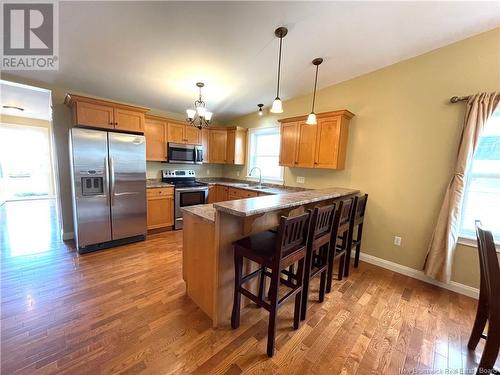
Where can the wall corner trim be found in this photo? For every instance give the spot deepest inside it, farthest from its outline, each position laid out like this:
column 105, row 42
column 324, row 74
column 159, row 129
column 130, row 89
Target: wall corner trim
column 419, row 275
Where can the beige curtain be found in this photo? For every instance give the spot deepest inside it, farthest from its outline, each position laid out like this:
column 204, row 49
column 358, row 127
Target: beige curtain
column 439, row 258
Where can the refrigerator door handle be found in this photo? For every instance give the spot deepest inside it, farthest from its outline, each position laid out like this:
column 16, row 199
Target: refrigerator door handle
column 106, row 179
column 127, row 193
column 112, row 181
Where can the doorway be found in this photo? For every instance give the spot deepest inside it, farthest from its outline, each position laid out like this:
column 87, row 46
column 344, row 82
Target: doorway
column 27, row 168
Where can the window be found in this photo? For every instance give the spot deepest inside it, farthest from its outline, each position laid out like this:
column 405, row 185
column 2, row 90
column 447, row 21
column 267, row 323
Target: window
column 482, row 186
column 264, row 151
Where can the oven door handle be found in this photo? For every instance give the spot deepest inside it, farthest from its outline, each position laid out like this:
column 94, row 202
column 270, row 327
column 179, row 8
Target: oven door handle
column 192, row 189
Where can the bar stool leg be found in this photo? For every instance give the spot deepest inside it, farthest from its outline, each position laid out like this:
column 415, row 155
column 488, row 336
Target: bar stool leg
column 329, row 274
column 238, row 269
column 261, row 286
column 479, row 324
column 490, row 353
column 347, row 244
column 305, row 284
column 341, row 266
column 273, row 312
column 358, row 245
column 298, row 297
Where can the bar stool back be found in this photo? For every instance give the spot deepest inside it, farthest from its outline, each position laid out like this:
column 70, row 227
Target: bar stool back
column 320, row 234
column 488, row 308
column 356, row 225
column 340, row 229
column 276, row 252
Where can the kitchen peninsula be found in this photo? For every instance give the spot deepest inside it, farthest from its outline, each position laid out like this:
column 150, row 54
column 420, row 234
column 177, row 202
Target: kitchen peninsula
column 210, row 230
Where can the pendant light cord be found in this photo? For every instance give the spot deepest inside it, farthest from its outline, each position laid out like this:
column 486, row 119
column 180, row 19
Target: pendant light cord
column 279, row 70
column 315, row 82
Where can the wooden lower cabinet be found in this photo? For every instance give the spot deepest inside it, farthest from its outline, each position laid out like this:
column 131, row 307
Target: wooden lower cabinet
column 219, row 193
column 160, row 206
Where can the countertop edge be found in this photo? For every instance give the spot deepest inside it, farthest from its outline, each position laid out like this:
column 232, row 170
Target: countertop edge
column 304, row 201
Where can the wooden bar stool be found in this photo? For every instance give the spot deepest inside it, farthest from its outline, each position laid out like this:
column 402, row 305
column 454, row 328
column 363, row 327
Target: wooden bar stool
column 340, row 229
column 488, row 308
column 318, row 244
column 274, row 252
column 356, row 224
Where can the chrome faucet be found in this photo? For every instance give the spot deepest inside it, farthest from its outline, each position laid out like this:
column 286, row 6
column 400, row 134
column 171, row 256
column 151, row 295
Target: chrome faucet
column 260, row 174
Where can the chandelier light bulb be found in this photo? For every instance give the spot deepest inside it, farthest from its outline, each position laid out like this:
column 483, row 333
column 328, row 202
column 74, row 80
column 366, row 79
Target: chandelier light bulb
column 208, row 115
column 190, row 113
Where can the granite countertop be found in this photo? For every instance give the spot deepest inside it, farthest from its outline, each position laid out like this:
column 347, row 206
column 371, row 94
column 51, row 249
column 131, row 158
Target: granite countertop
column 152, row 183
column 205, row 211
column 260, row 205
column 240, row 184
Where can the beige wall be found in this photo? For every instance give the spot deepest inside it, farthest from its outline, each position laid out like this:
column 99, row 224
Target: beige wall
column 402, row 143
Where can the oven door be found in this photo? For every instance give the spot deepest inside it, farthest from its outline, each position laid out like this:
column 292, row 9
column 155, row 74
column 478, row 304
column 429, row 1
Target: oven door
column 188, row 197
column 181, row 154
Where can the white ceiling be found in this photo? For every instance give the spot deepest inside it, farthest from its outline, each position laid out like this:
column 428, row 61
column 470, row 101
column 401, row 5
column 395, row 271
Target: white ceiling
column 35, row 101
column 152, row 53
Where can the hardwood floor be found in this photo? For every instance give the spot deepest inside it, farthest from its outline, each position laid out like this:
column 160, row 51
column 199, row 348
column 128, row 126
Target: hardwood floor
column 124, row 310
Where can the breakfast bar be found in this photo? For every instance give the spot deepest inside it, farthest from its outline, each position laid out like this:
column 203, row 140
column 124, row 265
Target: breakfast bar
column 211, row 229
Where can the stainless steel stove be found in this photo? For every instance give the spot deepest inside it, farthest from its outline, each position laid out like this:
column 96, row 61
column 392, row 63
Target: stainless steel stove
column 187, row 191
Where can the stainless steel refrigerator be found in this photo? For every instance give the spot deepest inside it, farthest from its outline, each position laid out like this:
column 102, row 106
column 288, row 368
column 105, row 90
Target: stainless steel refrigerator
column 108, row 172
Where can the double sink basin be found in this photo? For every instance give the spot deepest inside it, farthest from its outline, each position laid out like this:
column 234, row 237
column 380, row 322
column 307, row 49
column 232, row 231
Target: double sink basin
column 256, row 187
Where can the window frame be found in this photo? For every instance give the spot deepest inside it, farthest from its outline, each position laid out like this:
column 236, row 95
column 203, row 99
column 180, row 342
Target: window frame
column 251, row 133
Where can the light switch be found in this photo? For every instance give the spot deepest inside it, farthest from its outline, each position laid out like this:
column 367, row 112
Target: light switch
column 397, row 241
column 300, row 179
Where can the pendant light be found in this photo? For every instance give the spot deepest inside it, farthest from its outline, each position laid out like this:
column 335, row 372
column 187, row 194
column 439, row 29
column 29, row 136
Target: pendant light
column 199, row 117
column 277, row 106
column 311, row 119
column 260, row 109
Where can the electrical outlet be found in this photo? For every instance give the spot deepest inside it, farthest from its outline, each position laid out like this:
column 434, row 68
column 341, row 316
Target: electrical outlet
column 300, row 179
column 238, row 173
column 208, row 171
column 397, row 240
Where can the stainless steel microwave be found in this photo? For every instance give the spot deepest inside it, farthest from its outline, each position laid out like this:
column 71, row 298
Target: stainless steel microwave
column 179, row 153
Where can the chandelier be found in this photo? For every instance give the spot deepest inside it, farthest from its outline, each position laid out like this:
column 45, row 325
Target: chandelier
column 199, row 117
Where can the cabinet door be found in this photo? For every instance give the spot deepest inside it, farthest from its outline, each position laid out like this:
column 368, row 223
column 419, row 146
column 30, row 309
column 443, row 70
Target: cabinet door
column 129, row 120
column 327, row 142
column 95, row 115
column 231, row 140
column 217, row 146
column 212, row 194
column 154, row 131
column 192, row 135
column 160, row 212
column 205, row 134
column 223, row 193
column 288, row 144
column 175, row 133
column 240, row 147
column 306, row 145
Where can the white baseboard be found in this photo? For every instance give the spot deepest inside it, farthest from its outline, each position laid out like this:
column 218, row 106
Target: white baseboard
column 68, row 236
column 419, row 275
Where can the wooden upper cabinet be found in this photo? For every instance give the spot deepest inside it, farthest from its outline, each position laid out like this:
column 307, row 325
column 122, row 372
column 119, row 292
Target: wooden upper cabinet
column 236, row 146
column 327, row 143
column 315, row 146
column 175, row 133
column 154, row 131
column 94, row 115
column 103, row 114
column 129, row 120
column 217, row 146
column 288, row 147
column 192, row 135
column 306, row 145
column 205, row 135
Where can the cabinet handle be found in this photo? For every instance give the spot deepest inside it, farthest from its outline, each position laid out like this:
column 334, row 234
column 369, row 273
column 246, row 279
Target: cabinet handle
column 315, row 163
column 116, row 124
column 111, row 123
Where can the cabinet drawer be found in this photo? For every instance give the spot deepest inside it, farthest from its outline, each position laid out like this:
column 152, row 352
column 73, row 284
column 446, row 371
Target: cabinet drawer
column 160, row 192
